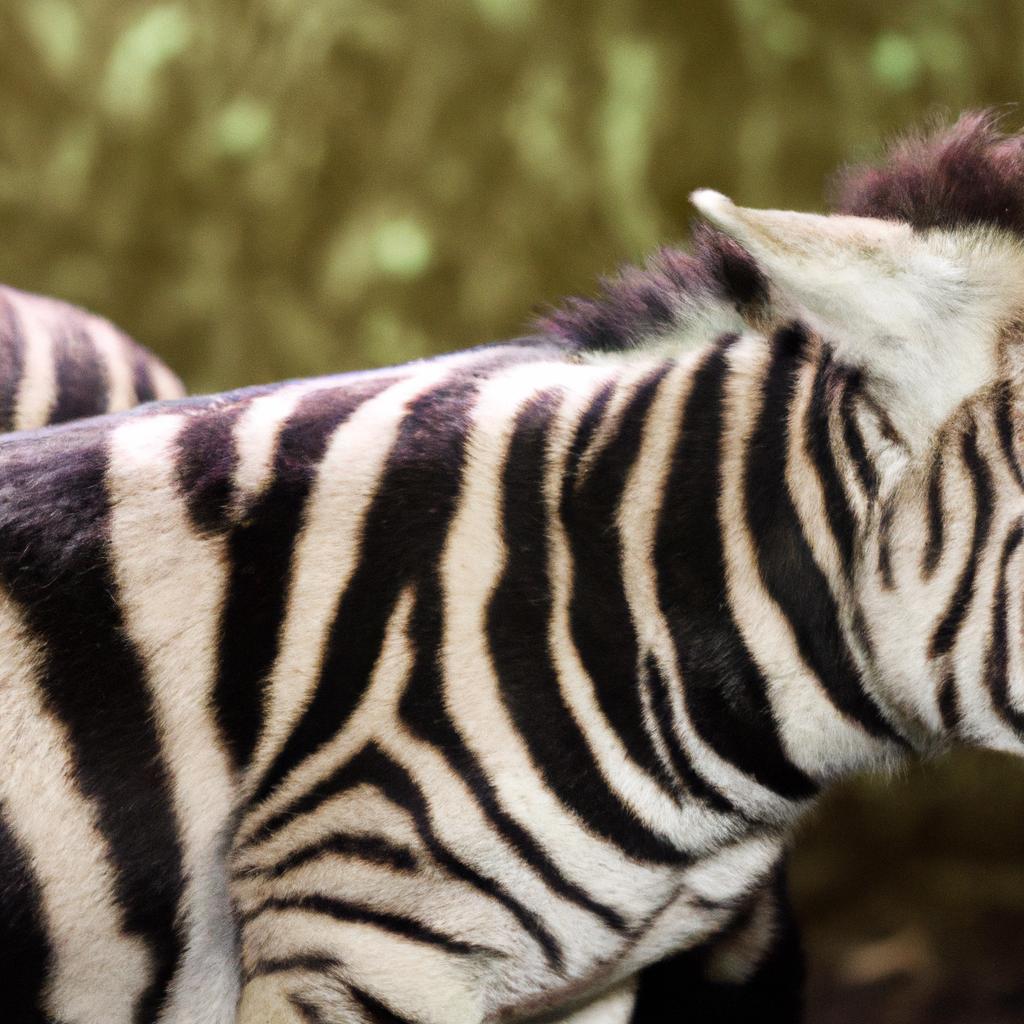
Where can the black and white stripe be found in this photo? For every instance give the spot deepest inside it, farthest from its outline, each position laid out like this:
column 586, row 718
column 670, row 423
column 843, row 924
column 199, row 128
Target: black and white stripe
column 458, row 657
column 490, row 687
column 60, row 363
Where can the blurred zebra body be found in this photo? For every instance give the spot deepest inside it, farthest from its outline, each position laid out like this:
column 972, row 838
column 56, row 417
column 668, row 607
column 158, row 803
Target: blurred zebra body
column 488, row 688
column 60, row 363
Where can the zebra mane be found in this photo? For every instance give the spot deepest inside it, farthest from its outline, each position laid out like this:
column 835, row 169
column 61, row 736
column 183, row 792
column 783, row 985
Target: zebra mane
column 970, row 173
column 675, row 287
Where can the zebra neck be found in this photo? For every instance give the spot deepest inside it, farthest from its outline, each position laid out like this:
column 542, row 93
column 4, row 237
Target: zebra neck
column 749, row 508
column 940, row 585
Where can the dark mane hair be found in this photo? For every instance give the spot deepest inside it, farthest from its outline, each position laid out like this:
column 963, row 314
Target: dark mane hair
column 970, row 172
column 648, row 301
column 967, row 173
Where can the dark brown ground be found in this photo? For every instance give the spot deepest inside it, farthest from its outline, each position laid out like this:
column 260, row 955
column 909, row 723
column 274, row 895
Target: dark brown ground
column 911, row 896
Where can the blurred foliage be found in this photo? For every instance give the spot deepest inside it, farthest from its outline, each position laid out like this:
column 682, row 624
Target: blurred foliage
column 276, row 188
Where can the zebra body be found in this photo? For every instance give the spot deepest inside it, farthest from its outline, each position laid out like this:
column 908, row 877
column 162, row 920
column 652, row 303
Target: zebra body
column 488, row 688
column 60, row 363
column 401, row 640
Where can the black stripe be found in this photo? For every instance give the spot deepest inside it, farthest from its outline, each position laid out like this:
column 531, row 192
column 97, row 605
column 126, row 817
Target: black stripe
column 661, row 705
column 1005, row 428
column 997, row 660
column 590, row 420
column 206, row 461
column 376, row 849
column 142, row 377
column 936, row 522
column 12, row 359
column 315, row 963
column 960, row 602
column 724, row 692
column 821, row 451
column 260, row 549
column 949, row 701
column 55, row 563
column 345, row 910
column 25, row 956
column 861, row 631
column 854, row 440
column 80, row 375
column 373, row 767
column 885, row 520
column 376, row 1011
column 308, row 1011
column 787, row 567
column 600, row 619
column 518, row 621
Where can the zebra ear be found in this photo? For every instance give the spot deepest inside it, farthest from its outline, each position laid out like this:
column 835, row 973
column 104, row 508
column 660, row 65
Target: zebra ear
column 921, row 313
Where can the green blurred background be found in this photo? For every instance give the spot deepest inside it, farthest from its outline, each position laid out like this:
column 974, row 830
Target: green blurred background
column 288, row 187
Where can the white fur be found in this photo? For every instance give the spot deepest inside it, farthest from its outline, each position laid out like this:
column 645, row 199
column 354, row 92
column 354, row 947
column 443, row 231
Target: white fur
column 99, row 971
column 172, row 584
column 37, row 386
column 921, row 313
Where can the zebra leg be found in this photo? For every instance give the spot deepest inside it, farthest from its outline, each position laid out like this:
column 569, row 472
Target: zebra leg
column 753, row 972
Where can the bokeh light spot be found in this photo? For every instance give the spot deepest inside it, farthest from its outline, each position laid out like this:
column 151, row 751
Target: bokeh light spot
column 155, row 38
column 402, row 248
column 896, row 62
column 56, row 28
column 243, row 127
column 506, row 13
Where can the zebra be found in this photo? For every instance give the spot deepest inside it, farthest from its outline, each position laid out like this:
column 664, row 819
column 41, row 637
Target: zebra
column 59, row 363
column 490, row 687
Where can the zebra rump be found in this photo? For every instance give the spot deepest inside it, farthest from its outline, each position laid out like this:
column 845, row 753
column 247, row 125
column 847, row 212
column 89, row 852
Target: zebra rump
column 60, row 363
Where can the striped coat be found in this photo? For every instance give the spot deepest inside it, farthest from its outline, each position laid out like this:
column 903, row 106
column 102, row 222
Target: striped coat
column 489, row 688
column 59, row 363
column 337, row 605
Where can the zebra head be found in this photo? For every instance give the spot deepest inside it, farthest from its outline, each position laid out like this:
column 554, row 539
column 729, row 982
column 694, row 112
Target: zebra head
column 918, row 288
